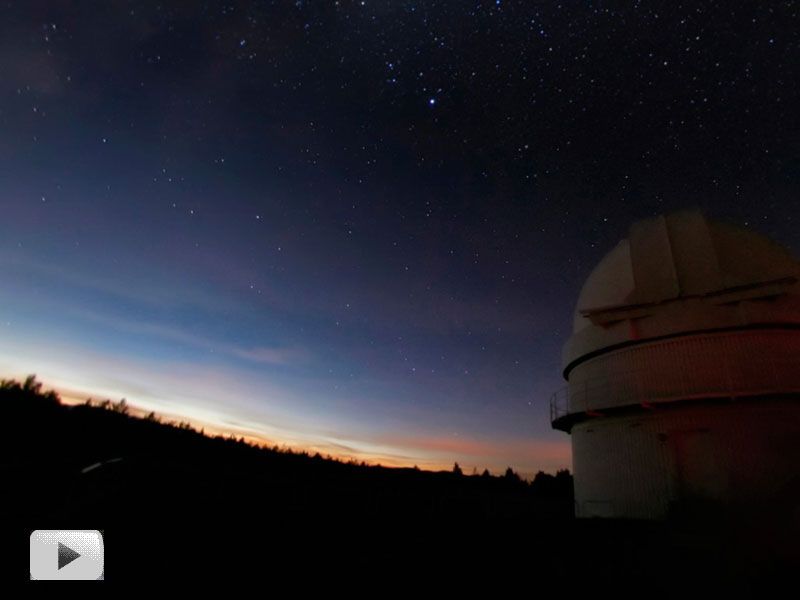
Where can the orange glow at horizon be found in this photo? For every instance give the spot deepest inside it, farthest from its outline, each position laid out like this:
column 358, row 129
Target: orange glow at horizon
column 221, row 401
column 458, row 447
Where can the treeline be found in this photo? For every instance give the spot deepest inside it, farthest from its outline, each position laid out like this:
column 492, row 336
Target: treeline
column 107, row 455
column 30, row 391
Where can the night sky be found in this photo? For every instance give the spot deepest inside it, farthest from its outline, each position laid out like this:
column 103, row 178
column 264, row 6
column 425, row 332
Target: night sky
column 361, row 227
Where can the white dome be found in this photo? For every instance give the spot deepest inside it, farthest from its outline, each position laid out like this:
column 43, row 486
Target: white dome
column 681, row 272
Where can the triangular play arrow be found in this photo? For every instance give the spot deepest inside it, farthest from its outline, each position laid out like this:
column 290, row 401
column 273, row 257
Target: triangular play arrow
column 65, row 555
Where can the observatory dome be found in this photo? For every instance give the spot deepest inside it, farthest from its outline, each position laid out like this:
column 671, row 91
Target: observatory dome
column 680, row 273
column 683, row 373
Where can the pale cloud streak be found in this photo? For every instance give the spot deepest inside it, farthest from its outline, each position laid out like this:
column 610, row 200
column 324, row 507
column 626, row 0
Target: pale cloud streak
column 276, row 354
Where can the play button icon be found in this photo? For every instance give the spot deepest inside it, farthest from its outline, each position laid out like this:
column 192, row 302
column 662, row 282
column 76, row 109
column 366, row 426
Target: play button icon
column 67, row 554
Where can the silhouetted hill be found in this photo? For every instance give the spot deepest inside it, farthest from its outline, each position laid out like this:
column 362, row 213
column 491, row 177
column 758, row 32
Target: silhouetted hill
column 108, row 458
column 169, row 499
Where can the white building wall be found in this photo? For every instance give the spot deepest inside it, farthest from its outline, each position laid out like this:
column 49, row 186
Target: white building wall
column 743, row 453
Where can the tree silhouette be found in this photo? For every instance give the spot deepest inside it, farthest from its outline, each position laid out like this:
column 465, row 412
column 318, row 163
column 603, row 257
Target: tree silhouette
column 31, row 386
column 157, row 454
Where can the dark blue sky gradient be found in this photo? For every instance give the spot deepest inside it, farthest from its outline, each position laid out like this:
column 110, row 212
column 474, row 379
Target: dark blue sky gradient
column 362, row 227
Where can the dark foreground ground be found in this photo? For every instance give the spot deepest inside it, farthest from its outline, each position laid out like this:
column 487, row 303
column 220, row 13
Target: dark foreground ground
column 177, row 506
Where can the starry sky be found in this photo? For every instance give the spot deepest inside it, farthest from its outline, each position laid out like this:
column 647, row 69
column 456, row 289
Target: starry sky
column 361, row 227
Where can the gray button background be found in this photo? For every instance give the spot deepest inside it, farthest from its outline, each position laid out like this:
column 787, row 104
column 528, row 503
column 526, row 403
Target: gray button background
column 44, row 554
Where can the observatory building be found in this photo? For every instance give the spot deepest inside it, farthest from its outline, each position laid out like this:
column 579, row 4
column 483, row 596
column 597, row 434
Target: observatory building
column 683, row 374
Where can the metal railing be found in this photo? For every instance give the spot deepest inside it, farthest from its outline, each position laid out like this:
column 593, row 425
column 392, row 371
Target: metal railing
column 723, row 378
